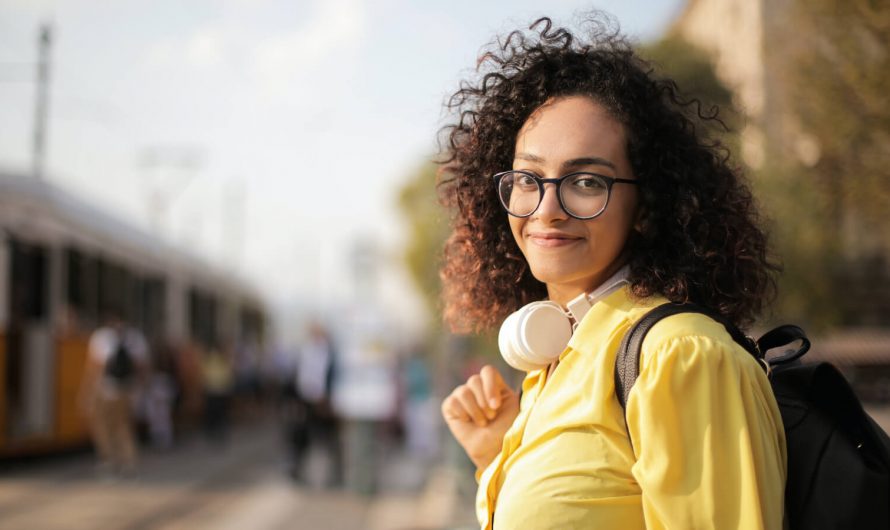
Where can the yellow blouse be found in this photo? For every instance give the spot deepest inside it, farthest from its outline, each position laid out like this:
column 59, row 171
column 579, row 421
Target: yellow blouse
column 708, row 444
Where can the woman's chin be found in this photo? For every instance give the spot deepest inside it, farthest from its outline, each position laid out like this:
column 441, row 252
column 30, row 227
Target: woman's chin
column 554, row 276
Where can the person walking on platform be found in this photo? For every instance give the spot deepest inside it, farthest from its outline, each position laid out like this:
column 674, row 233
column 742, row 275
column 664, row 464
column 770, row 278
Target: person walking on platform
column 117, row 364
column 315, row 379
column 218, row 378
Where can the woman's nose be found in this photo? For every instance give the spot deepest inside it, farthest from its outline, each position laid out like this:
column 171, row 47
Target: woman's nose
column 550, row 209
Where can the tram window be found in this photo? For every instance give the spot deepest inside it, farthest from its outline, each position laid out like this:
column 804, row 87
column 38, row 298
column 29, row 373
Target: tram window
column 29, row 281
column 193, row 313
column 81, row 289
column 251, row 323
column 105, row 290
column 154, row 296
column 115, row 292
column 202, row 317
column 212, row 331
column 91, row 288
column 134, row 290
column 76, row 274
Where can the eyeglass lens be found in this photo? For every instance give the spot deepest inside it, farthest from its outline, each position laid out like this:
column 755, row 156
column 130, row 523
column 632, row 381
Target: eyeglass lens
column 582, row 195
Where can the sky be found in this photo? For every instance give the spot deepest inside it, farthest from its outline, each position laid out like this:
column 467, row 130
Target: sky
column 267, row 136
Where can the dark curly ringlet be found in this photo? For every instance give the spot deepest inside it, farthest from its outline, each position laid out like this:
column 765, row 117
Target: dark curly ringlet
column 699, row 238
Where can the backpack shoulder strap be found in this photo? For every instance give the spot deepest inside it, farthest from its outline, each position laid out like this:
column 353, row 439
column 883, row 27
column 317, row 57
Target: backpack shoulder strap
column 627, row 361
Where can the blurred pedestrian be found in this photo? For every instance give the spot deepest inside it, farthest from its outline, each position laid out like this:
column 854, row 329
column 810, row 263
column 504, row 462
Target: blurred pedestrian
column 420, row 418
column 217, row 378
column 117, row 366
column 246, row 367
column 367, row 399
column 315, row 379
column 158, row 399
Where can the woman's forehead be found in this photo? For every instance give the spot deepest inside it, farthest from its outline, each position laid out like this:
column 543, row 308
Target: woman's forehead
column 570, row 128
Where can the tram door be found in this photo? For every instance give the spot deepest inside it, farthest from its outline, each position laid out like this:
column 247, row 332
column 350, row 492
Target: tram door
column 29, row 371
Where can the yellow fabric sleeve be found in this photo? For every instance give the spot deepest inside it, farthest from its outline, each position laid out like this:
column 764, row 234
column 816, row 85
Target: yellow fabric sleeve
column 710, row 454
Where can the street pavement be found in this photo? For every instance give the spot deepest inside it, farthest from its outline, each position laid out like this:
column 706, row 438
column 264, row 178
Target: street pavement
column 243, row 485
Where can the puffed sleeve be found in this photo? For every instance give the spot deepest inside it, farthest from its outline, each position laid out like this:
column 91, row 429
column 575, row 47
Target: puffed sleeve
column 708, row 438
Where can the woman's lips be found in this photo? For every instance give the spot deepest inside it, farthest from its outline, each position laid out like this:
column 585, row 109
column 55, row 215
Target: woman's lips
column 551, row 240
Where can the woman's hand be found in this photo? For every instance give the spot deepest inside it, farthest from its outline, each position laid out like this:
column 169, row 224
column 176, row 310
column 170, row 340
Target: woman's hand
column 479, row 412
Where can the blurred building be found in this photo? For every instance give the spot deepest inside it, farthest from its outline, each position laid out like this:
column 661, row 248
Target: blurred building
column 747, row 42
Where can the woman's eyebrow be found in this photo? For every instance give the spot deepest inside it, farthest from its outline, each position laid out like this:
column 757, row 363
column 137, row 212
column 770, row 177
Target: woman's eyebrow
column 587, row 161
column 568, row 164
column 528, row 157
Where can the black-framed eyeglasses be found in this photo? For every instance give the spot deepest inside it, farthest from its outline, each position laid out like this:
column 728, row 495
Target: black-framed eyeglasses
column 582, row 195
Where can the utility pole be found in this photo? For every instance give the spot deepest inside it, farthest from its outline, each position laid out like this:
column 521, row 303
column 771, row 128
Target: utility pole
column 42, row 100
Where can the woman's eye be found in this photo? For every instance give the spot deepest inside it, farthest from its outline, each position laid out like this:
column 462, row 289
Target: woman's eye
column 525, row 181
column 588, row 184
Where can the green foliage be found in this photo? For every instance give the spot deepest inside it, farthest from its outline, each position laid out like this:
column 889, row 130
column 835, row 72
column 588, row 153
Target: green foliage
column 830, row 219
column 693, row 72
column 808, row 254
column 840, row 94
column 428, row 229
column 829, row 74
column 689, row 67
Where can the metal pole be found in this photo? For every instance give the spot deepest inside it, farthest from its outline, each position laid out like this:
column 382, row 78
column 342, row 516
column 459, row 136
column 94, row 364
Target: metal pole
column 42, row 100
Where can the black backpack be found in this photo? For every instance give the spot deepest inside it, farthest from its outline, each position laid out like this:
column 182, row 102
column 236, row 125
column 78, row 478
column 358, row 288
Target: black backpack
column 119, row 367
column 838, row 457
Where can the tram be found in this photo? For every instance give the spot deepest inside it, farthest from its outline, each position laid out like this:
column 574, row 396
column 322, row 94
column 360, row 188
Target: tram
column 63, row 265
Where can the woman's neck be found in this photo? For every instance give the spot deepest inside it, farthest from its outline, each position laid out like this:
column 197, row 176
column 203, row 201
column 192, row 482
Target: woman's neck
column 562, row 294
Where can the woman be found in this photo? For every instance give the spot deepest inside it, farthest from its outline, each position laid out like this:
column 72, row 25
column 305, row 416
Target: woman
column 575, row 174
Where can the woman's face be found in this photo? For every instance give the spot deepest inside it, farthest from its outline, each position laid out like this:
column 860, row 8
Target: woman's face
column 569, row 255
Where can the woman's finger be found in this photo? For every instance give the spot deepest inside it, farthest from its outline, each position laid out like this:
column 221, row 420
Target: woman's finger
column 474, row 383
column 493, row 386
column 453, row 410
column 468, row 401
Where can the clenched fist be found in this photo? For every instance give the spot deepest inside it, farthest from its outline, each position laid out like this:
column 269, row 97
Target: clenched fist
column 479, row 412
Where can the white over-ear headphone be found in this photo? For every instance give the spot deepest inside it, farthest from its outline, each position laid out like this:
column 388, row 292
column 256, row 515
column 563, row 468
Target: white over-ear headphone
column 537, row 334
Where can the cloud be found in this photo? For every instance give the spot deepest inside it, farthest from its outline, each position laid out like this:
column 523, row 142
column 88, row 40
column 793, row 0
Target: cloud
column 206, row 48
column 38, row 7
column 279, row 63
column 161, row 54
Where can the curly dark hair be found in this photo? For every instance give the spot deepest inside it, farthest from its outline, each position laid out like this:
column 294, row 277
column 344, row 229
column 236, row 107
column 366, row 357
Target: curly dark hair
column 699, row 238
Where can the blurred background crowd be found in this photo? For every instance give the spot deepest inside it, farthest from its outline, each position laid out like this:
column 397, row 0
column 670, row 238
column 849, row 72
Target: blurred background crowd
column 239, row 199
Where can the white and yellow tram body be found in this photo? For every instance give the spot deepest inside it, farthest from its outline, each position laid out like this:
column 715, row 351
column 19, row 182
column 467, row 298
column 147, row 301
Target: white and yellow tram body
column 63, row 265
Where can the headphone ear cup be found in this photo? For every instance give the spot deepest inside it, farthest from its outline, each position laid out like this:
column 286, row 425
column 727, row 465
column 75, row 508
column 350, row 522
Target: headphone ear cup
column 534, row 336
column 509, row 343
column 545, row 332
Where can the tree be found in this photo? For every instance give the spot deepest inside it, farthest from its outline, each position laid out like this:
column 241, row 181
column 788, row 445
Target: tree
column 690, row 67
column 839, row 83
column 428, row 229
column 693, row 72
column 829, row 202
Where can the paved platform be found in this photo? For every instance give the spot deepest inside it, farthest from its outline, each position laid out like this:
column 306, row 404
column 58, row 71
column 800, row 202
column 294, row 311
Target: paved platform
column 241, row 486
column 244, row 485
